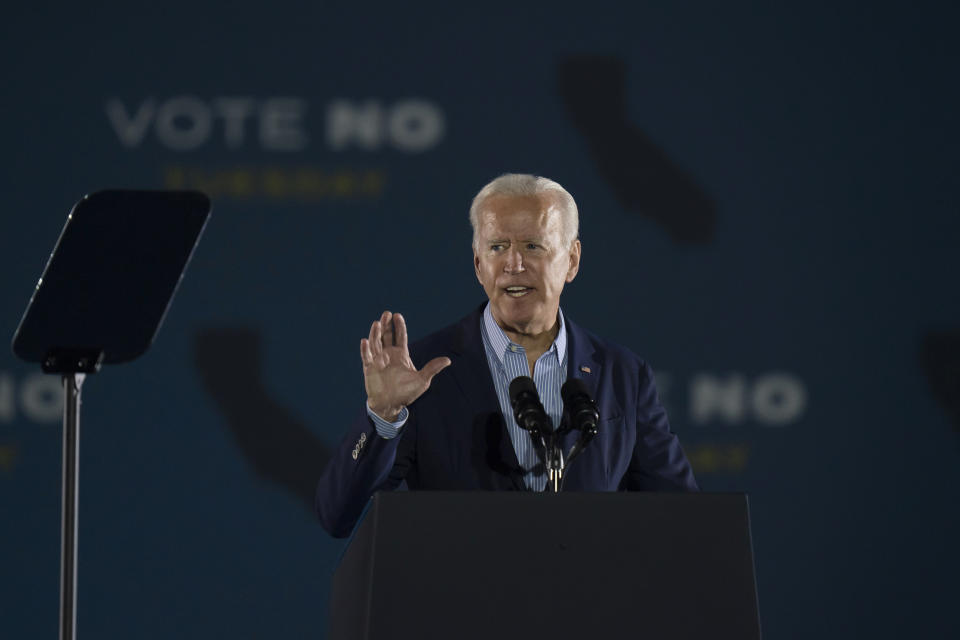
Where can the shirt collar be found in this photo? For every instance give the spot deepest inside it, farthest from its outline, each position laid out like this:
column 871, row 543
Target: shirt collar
column 499, row 341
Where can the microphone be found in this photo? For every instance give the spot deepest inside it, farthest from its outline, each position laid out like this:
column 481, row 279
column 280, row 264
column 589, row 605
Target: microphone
column 527, row 408
column 579, row 412
column 579, row 409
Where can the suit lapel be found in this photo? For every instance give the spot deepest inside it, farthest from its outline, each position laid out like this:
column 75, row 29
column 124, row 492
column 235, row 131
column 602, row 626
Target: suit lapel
column 582, row 359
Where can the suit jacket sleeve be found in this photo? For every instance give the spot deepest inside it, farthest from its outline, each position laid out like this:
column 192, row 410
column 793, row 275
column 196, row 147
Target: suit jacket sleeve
column 658, row 462
column 363, row 464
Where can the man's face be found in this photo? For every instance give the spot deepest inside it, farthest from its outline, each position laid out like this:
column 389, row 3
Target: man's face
column 521, row 261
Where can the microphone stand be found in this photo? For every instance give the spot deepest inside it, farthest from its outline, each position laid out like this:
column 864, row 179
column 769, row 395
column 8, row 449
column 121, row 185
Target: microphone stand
column 548, row 448
column 555, row 461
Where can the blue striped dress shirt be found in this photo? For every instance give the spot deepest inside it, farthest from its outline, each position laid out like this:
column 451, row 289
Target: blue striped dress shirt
column 508, row 360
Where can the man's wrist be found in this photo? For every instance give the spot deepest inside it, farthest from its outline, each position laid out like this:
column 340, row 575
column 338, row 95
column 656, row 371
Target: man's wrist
column 387, row 414
column 388, row 430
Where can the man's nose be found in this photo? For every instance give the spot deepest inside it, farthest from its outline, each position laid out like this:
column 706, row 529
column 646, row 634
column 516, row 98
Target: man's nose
column 514, row 261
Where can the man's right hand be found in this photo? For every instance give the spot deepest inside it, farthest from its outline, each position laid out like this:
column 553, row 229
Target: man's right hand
column 391, row 380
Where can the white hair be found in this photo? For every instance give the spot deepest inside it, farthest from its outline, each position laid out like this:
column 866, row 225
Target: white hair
column 525, row 184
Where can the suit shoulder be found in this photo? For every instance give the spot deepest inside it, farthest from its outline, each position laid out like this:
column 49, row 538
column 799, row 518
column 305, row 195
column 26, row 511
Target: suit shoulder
column 613, row 354
column 443, row 341
column 431, row 345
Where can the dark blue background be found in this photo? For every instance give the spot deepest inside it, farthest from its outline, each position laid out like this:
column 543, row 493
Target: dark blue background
column 824, row 134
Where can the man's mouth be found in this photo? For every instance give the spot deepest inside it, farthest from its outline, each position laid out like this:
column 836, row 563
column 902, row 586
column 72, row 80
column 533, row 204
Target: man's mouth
column 517, row 292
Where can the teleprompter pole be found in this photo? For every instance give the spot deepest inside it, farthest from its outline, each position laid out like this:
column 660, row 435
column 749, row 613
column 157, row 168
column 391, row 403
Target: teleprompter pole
column 71, row 476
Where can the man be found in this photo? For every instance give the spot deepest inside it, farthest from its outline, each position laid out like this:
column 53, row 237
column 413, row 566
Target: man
column 434, row 428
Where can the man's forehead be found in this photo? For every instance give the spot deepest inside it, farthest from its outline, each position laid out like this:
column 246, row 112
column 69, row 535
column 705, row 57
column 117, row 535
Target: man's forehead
column 502, row 212
column 501, row 201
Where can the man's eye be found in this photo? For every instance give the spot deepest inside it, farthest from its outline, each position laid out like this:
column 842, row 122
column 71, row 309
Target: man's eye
column 496, row 247
column 531, row 246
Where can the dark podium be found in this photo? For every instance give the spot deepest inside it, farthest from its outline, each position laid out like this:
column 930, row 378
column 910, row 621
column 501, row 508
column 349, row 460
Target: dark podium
column 530, row 565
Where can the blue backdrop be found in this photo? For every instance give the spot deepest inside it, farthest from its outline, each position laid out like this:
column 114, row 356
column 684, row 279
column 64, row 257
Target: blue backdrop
column 780, row 180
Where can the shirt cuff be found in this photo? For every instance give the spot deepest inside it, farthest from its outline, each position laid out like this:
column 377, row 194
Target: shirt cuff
column 388, row 430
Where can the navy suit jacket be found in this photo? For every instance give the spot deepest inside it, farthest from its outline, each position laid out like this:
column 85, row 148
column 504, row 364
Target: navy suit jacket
column 456, row 439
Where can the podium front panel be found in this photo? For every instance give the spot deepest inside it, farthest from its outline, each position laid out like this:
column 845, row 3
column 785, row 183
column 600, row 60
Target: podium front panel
column 526, row 565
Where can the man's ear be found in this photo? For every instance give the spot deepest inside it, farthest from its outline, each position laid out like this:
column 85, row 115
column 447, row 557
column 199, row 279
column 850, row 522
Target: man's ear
column 476, row 266
column 574, row 261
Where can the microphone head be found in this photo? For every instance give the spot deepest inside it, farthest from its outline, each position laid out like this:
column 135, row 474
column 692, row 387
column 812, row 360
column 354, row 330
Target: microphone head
column 527, row 408
column 579, row 408
column 572, row 388
column 522, row 385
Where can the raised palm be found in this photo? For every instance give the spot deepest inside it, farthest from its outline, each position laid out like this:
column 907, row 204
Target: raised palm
column 391, row 380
